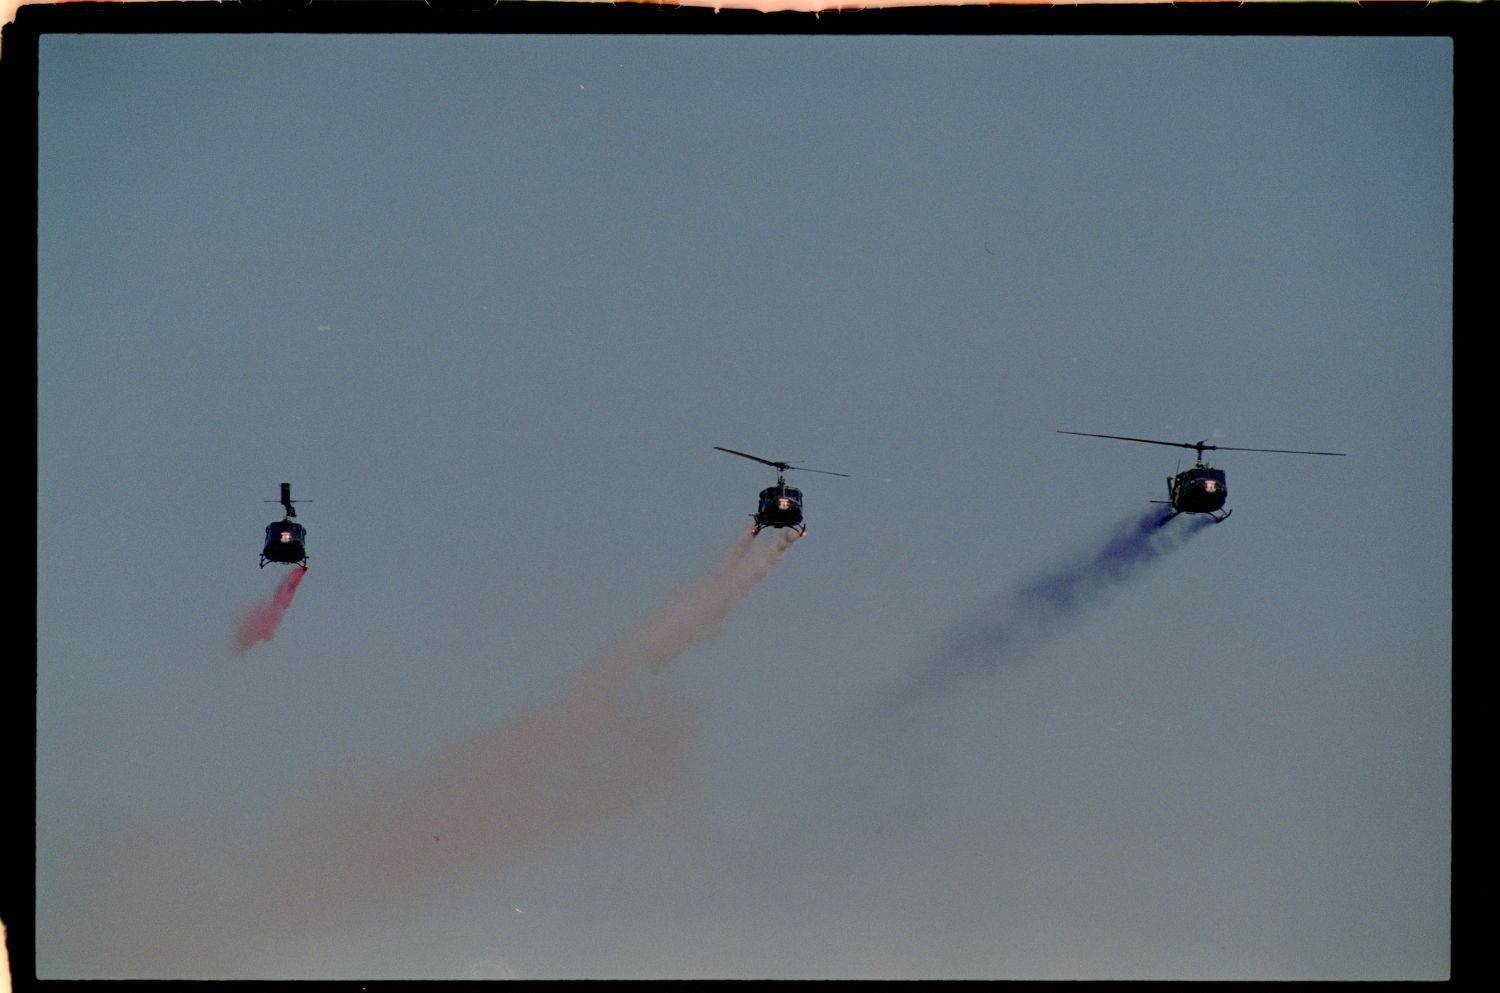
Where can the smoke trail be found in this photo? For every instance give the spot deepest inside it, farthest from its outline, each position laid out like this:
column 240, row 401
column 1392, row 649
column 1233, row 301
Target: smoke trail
column 883, row 775
column 1015, row 623
column 604, row 745
column 260, row 621
column 480, row 805
column 696, row 613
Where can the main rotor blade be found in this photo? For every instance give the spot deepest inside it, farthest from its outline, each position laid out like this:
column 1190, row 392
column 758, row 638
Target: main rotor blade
column 1284, row 451
column 1149, row 441
column 287, row 501
column 746, row 455
column 798, row 468
column 1199, row 445
column 779, row 466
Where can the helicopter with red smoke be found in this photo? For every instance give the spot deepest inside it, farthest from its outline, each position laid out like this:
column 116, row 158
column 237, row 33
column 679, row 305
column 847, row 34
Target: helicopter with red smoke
column 1201, row 489
column 286, row 540
column 780, row 506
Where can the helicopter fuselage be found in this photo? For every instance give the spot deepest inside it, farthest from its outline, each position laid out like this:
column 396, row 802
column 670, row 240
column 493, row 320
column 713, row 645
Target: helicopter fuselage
column 1199, row 490
column 286, row 541
column 780, row 507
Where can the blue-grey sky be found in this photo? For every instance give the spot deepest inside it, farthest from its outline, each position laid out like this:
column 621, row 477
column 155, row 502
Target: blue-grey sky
column 488, row 303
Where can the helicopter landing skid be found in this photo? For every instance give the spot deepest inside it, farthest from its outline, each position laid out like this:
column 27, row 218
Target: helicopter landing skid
column 1216, row 518
column 801, row 531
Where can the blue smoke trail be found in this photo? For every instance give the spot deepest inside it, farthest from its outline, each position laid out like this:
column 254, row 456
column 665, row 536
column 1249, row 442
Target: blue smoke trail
column 881, row 777
column 1016, row 622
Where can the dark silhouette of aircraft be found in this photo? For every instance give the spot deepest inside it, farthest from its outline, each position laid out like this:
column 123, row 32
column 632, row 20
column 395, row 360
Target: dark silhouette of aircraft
column 1201, row 489
column 780, row 506
column 286, row 540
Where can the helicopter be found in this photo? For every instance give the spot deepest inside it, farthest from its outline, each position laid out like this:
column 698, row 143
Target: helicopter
column 780, row 505
column 286, row 540
column 1199, row 490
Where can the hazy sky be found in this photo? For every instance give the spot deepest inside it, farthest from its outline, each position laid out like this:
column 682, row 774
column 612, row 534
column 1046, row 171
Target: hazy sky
column 538, row 710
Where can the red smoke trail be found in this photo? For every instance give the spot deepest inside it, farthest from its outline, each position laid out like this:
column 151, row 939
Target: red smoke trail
column 695, row 613
column 611, row 739
column 480, row 805
column 608, row 742
column 259, row 622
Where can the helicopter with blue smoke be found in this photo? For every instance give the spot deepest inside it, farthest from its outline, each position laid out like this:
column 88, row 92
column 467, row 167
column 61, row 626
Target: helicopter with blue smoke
column 1201, row 489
